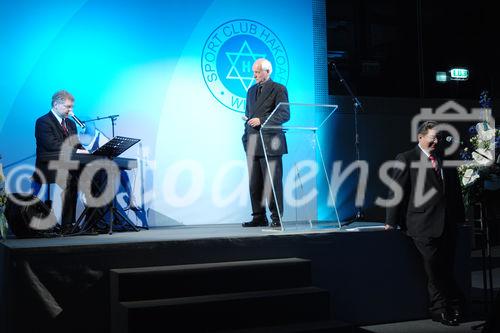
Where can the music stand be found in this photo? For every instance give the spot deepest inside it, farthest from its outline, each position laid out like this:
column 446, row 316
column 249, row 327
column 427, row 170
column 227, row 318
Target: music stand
column 110, row 150
column 115, row 147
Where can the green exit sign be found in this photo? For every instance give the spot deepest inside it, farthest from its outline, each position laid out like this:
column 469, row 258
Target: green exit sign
column 460, row 74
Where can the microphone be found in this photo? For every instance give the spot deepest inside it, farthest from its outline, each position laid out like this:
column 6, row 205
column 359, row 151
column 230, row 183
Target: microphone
column 450, row 138
column 78, row 121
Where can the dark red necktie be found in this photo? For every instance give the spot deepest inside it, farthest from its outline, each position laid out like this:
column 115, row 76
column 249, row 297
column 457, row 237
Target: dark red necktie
column 435, row 165
column 65, row 129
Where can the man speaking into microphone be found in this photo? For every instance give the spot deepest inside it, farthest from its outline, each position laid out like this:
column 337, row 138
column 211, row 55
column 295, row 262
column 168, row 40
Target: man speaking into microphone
column 51, row 131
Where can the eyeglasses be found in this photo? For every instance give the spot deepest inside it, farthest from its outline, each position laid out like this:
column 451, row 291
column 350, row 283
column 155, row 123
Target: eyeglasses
column 67, row 107
column 433, row 138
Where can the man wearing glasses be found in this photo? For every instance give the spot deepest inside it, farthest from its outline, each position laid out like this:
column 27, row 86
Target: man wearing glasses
column 51, row 131
column 430, row 220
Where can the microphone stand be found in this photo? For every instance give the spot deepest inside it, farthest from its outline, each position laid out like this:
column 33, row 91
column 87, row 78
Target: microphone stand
column 357, row 106
column 113, row 122
column 113, row 210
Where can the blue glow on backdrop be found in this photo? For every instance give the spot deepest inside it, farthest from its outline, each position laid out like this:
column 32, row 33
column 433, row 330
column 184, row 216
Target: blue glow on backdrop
column 176, row 73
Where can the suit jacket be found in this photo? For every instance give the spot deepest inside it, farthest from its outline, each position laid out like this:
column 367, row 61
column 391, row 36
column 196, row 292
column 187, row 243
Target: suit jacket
column 444, row 209
column 271, row 95
column 49, row 136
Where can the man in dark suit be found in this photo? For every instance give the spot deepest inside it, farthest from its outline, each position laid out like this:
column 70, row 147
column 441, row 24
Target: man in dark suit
column 429, row 211
column 51, row 131
column 262, row 99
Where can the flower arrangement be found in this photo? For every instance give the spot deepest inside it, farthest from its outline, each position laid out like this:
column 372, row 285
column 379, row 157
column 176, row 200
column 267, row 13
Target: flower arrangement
column 3, row 202
column 481, row 169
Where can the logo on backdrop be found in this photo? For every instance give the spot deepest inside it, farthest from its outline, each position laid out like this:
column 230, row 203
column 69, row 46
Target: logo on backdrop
column 228, row 56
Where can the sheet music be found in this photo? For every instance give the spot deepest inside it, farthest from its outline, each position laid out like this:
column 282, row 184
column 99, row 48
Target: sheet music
column 116, row 146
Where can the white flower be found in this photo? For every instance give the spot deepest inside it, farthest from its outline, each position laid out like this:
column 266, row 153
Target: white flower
column 483, row 156
column 485, row 132
column 469, row 177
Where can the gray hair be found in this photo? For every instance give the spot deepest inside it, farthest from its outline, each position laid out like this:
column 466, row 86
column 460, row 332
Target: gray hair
column 266, row 65
column 61, row 96
column 426, row 126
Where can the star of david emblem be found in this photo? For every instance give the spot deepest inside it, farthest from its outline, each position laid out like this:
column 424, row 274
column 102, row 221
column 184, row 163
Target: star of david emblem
column 227, row 69
column 239, row 61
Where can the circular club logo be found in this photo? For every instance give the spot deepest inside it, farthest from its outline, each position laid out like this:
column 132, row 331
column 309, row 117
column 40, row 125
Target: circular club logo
column 228, row 56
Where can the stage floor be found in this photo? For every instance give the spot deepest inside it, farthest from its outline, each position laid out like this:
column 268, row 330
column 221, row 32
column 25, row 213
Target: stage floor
column 190, row 232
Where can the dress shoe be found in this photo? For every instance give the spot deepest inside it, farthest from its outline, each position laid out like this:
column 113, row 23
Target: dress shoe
column 89, row 232
column 67, row 229
column 456, row 313
column 255, row 223
column 57, row 229
column 275, row 224
column 445, row 318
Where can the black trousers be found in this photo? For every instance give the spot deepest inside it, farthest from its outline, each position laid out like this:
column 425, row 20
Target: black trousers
column 69, row 198
column 438, row 256
column 493, row 321
column 69, row 195
column 260, row 185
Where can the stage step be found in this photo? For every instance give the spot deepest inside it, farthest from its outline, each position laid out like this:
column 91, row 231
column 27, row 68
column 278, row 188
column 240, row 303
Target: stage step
column 216, row 296
column 210, row 313
column 328, row 326
column 158, row 282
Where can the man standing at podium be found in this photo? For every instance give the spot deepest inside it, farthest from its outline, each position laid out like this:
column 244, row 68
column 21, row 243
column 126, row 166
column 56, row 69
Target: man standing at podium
column 51, row 131
column 262, row 98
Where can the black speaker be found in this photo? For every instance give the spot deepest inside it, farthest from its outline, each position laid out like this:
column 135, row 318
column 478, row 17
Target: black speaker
column 21, row 209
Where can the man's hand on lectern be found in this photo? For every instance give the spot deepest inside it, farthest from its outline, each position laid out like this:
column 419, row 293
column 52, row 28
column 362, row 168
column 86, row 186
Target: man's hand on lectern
column 254, row 122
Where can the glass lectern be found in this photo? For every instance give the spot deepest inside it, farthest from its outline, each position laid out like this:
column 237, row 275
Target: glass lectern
column 305, row 175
